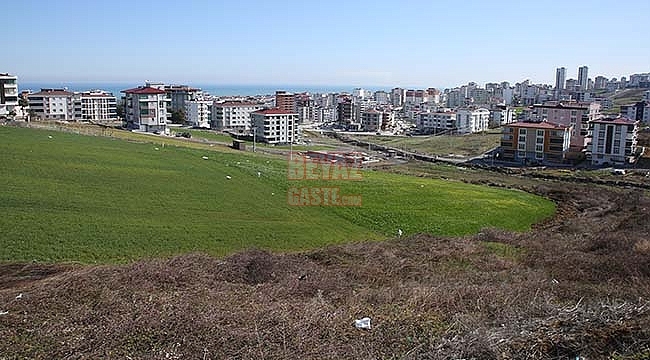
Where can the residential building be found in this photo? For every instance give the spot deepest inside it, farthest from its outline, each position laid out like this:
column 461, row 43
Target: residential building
column 571, row 85
column 146, row 109
column 197, row 112
column 639, row 111
column 397, row 97
column 179, row 94
column 613, row 141
column 233, row 115
column 285, row 101
column 501, row 115
column 345, row 112
column 374, row 120
column 95, row 105
column 8, row 94
column 435, row 122
column 578, row 115
column 382, row 97
column 560, row 78
column 52, row 104
column 275, row 126
column 535, row 142
column 583, row 77
column 600, row 82
column 472, row 120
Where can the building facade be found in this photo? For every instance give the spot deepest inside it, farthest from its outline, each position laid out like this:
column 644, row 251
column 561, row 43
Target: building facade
column 95, row 105
column 233, row 115
column 145, row 109
column 179, row 94
column 639, row 111
column 197, row 113
column 275, row 126
column 285, row 100
column 435, row 122
column 55, row 104
column 472, row 120
column 577, row 115
column 8, row 94
column 583, row 78
column 613, row 140
column 535, row 142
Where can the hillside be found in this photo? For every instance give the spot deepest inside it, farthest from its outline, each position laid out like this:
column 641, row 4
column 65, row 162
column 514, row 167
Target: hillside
column 576, row 285
column 73, row 198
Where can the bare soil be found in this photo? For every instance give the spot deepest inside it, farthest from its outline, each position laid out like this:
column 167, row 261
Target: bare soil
column 576, row 285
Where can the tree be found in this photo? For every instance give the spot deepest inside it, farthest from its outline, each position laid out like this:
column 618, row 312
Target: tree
column 178, row 117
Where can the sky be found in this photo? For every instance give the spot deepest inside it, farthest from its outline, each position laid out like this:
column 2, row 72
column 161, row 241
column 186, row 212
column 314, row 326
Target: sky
column 423, row 43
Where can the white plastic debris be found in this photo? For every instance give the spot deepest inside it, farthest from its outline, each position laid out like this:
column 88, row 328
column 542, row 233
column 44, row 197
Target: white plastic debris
column 228, row 177
column 19, row 296
column 4, row 312
column 49, row 136
column 204, row 157
column 156, row 149
column 399, row 232
column 363, row 323
column 259, row 174
column 272, row 194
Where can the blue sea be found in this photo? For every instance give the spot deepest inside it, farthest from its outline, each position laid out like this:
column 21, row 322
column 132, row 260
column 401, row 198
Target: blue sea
column 213, row 89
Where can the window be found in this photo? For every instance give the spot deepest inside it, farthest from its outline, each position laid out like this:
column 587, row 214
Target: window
column 521, row 154
column 539, row 140
column 522, row 131
column 539, row 148
column 539, row 156
column 521, row 147
column 522, row 138
column 540, row 133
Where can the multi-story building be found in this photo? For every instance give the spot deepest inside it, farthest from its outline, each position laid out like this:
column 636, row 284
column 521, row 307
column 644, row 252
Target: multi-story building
column 233, row 115
column 472, row 120
column 583, row 77
column 8, row 94
column 639, row 111
column 52, row 104
column 600, row 82
column 613, row 141
column 145, row 109
column 345, row 114
column 397, row 97
column 501, row 115
column 535, row 142
column 382, row 97
column 197, row 112
column 285, row 101
column 435, row 122
column 275, row 126
column 374, row 120
column 95, row 105
column 179, row 94
column 578, row 115
column 560, row 78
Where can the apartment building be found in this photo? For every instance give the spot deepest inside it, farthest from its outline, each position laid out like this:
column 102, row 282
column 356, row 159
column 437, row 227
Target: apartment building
column 8, row 94
column 197, row 113
column 179, row 94
column 274, row 126
column 501, row 115
column 613, row 140
column 375, row 120
column 472, row 120
column 95, row 105
column 435, row 122
column 145, row 109
column 285, row 100
column 233, row 115
column 576, row 114
column 535, row 142
column 639, row 111
column 52, row 104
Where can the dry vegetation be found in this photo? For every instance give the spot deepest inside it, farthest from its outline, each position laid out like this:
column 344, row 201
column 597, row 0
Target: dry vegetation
column 577, row 285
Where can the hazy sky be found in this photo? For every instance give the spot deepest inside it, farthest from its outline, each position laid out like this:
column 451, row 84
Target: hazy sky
column 322, row 42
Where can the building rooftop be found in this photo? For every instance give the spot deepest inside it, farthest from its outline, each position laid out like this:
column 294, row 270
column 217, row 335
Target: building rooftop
column 537, row 125
column 236, row 103
column 146, row 90
column 274, row 111
column 52, row 92
column 621, row 120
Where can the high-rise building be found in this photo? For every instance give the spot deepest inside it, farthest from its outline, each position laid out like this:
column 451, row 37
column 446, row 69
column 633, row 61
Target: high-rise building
column 560, row 78
column 583, row 77
column 285, row 101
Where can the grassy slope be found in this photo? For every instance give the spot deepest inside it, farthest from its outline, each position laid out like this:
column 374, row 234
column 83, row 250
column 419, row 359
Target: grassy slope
column 95, row 199
column 467, row 145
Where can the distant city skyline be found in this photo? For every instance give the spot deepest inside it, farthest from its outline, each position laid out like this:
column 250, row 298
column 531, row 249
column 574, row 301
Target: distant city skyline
column 416, row 43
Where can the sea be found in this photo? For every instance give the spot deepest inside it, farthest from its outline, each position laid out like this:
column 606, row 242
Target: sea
column 212, row 89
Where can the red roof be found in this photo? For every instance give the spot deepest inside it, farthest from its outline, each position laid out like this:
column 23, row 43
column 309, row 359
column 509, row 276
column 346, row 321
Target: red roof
column 53, row 92
column 621, row 120
column 274, row 111
column 538, row 125
column 147, row 90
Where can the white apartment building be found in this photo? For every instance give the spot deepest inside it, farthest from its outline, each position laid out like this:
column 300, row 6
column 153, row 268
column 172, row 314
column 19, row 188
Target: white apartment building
column 374, row 120
column 95, row 105
column 233, row 115
column 472, row 120
column 613, row 141
column 275, row 126
column 54, row 104
column 502, row 115
column 435, row 122
column 8, row 94
column 146, row 109
column 638, row 111
column 197, row 113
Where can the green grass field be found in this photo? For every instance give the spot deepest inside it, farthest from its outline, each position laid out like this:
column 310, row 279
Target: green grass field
column 93, row 199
